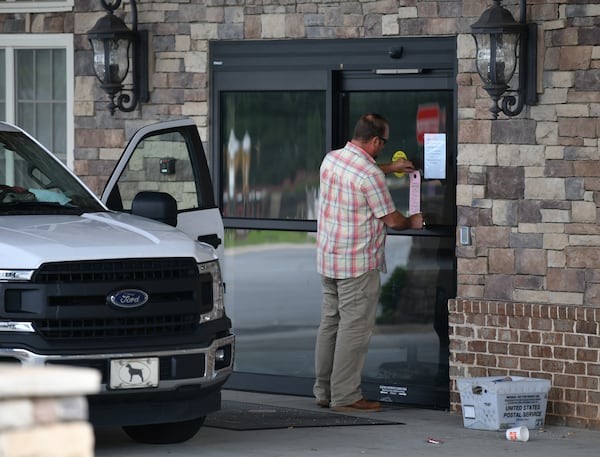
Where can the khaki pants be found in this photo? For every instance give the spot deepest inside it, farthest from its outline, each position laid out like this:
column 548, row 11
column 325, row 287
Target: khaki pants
column 347, row 321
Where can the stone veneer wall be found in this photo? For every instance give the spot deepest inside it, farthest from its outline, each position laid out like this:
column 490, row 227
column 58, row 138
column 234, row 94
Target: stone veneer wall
column 180, row 34
column 529, row 284
column 43, row 411
column 528, row 187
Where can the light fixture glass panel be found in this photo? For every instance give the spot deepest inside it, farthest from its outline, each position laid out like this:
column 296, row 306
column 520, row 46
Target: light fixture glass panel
column 483, row 58
column 496, row 56
column 118, row 59
column 506, row 55
column 98, row 48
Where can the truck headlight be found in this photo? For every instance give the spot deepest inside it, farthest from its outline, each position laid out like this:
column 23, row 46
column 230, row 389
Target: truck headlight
column 218, row 308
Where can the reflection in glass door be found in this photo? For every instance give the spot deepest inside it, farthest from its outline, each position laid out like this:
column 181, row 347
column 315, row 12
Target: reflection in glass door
column 411, row 115
column 271, row 174
column 271, row 160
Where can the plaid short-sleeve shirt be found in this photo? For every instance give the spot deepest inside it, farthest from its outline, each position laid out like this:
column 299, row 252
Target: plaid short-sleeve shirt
column 353, row 195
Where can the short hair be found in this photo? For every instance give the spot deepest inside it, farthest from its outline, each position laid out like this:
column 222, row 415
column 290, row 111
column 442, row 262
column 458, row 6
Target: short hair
column 370, row 125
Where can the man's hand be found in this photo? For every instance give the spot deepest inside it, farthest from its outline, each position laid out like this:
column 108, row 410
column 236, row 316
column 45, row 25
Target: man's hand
column 397, row 166
column 398, row 221
column 417, row 221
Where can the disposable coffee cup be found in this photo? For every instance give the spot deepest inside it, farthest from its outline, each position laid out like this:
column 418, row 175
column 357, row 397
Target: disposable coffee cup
column 517, row 434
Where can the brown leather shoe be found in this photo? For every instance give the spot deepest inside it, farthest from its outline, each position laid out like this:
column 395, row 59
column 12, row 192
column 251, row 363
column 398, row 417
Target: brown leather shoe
column 360, row 406
column 323, row 403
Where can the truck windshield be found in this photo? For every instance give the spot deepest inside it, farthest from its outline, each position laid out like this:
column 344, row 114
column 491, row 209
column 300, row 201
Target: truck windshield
column 32, row 180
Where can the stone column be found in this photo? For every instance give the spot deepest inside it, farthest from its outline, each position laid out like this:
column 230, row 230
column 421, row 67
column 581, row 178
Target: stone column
column 43, row 411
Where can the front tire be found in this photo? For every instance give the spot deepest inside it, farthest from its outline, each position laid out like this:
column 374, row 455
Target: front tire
column 168, row 433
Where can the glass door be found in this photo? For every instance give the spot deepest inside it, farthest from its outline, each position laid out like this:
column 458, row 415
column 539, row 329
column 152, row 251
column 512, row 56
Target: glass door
column 278, row 107
column 408, row 355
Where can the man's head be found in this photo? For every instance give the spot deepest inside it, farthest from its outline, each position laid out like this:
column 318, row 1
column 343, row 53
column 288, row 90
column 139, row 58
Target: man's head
column 371, row 133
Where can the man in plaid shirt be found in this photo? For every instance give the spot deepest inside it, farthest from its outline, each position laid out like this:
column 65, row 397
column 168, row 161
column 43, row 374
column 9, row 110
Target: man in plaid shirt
column 355, row 206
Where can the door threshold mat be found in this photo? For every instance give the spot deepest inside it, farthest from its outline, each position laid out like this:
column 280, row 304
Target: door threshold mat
column 235, row 415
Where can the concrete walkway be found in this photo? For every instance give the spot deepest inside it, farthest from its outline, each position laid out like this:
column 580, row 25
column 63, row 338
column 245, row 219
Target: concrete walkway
column 408, row 440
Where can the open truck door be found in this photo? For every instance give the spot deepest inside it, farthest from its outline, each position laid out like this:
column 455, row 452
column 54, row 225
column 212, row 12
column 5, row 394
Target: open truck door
column 168, row 158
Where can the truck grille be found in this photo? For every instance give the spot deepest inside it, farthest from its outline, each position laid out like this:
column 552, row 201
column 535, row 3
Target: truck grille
column 142, row 326
column 117, row 270
column 74, row 299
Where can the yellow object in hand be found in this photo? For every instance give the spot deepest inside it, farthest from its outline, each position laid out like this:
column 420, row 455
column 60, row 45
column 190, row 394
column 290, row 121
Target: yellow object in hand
column 399, row 155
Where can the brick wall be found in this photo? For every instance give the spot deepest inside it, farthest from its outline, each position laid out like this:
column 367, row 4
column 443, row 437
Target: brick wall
column 559, row 343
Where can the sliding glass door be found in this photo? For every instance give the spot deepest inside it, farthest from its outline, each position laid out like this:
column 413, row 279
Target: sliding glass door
column 278, row 108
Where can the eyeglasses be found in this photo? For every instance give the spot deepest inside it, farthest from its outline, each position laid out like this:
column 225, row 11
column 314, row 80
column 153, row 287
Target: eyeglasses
column 385, row 140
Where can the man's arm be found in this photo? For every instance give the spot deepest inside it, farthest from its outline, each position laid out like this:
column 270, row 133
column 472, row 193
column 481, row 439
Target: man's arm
column 398, row 221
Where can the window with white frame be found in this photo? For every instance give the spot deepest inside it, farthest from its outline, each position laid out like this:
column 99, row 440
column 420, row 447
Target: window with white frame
column 35, row 6
column 36, row 88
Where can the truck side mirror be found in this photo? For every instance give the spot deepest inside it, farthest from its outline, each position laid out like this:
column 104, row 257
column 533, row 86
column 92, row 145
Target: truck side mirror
column 159, row 206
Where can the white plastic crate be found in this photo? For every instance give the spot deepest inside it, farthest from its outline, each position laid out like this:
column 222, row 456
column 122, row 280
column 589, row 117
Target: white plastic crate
column 498, row 403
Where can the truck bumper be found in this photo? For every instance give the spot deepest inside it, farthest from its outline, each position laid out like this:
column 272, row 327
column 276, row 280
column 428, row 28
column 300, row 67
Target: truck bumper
column 141, row 408
column 189, row 382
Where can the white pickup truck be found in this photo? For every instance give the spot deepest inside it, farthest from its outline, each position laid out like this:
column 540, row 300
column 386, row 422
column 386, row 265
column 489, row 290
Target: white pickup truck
column 141, row 300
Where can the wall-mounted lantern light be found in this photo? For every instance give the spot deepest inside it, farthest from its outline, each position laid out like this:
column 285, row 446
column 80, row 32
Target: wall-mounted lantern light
column 501, row 43
column 113, row 45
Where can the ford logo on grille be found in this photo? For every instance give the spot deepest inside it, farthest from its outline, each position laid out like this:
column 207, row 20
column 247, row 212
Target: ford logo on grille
column 128, row 298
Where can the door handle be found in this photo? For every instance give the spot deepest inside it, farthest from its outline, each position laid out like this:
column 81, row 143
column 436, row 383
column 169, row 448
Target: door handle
column 212, row 239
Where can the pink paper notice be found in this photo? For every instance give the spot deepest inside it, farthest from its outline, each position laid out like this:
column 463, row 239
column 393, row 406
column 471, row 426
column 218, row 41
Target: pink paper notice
column 414, row 199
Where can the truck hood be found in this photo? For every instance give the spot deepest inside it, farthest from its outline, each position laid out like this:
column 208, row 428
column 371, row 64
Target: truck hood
column 28, row 241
